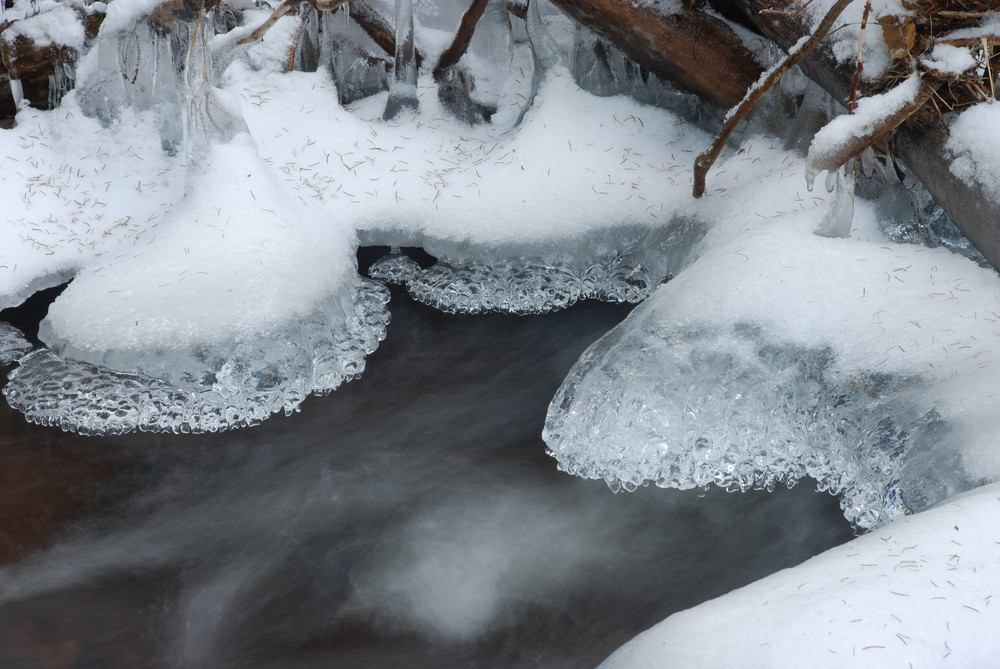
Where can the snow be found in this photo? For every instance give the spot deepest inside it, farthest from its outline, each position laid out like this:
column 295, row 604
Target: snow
column 948, row 59
column 976, row 148
column 988, row 27
column 870, row 115
column 226, row 259
column 122, row 16
column 58, row 25
column 915, row 593
column 848, row 37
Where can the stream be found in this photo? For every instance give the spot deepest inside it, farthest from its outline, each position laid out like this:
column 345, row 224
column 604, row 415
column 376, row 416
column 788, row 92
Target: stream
column 410, row 519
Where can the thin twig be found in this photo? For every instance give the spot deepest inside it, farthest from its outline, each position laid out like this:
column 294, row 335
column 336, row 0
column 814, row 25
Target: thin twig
column 785, row 12
column 258, row 33
column 852, row 102
column 705, row 161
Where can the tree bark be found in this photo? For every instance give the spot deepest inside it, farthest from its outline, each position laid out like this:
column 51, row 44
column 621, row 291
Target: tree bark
column 694, row 51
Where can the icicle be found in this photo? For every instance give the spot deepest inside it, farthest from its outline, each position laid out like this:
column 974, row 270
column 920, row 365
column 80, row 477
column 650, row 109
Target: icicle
column 351, row 56
column 543, row 47
column 208, row 116
column 810, row 179
column 308, row 51
column 832, row 180
column 470, row 88
column 596, row 64
column 490, row 54
column 838, row 220
column 544, row 52
column 403, row 85
column 60, row 81
column 16, row 92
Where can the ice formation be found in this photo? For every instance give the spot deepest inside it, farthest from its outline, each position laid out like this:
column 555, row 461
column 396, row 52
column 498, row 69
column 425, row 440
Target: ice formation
column 13, row 345
column 740, row 373
column 209, row 224
column 207, row 205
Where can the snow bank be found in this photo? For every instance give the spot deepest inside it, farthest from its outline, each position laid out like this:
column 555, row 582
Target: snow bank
column 917, row 592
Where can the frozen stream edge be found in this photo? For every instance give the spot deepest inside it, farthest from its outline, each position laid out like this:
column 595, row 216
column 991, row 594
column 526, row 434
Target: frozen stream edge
column 205, row 389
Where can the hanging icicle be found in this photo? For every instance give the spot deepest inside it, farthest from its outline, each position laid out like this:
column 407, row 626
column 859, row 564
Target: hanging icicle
column 403, row 84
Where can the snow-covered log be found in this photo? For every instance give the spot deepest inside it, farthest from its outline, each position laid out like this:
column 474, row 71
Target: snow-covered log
column 921, row 147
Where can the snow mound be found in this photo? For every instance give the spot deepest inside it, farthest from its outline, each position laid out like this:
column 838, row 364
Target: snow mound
column 739, row 373
column 917, row 589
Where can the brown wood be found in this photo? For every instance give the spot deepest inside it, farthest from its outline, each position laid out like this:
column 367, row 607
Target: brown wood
column 693, row 50
column 32, row 65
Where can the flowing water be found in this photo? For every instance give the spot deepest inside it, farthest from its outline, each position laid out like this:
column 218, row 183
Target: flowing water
column 410, row 519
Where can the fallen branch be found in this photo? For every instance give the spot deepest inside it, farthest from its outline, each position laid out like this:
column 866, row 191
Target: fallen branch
column 853, row 137
column 799, row 51
column 463, row 37
column 696, row 52
column 258, row 33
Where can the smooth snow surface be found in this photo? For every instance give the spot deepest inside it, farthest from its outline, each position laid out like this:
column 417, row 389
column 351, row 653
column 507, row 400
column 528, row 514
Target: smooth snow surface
column 916, row 593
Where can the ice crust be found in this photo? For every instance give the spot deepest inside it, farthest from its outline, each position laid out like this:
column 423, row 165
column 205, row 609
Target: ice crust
column 737, row 373
column 620, row 265
column 13, row 345
column 739, row 408
column 203, row 388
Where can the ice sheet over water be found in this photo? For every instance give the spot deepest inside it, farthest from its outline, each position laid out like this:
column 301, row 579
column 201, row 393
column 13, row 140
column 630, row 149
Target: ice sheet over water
column 202, row 388
column 741, row 373
column 13, row 345
column 613, row 265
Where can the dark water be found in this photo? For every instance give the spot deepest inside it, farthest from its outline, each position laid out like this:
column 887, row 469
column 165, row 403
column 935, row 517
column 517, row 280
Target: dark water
column 411, row 519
